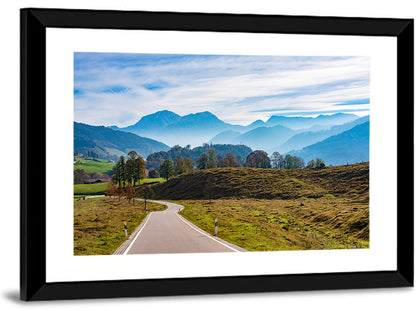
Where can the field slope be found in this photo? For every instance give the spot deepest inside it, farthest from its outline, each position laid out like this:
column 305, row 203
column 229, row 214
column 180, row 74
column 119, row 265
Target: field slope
column 271, row 209
column 350, row 181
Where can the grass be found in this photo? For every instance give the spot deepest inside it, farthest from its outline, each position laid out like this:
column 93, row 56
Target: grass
column 349, row 181
column 94, row 166
column 99, row 188
column 84, row 189
column 259, row 209
column 98, row 223
column 273, row 225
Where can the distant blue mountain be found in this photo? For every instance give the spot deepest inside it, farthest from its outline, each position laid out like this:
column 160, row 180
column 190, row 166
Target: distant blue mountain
column 202, row 127
column 264, row 137
column 226, row 137
column 304, row 139
column 351, row 146
column 297, row 123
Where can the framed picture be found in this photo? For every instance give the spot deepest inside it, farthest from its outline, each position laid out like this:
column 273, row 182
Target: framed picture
column 189, row 153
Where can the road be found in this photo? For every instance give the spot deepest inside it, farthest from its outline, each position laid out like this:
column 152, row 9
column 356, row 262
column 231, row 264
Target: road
column 167, row 232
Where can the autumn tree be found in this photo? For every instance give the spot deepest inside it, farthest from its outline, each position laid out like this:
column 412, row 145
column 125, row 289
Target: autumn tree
column 139, row 170
column 258, row 158
column 166, row 169
column 111, row 190
column 130, row 192
column 231, row 158
column 120, row 192
column 311, row 164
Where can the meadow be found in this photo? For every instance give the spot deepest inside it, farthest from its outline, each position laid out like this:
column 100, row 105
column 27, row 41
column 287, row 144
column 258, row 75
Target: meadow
column 94, row 166
column 272, row 209
column 99, row 227
column 275, row 225
column 99, row 188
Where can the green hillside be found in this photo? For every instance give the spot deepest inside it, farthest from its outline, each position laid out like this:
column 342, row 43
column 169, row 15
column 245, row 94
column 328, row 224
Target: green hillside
column 94, row 166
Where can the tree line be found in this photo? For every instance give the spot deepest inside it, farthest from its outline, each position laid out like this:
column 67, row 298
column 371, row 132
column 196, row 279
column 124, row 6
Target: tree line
column 257, row 159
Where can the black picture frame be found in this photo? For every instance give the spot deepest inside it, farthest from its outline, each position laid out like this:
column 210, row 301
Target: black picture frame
column 34, row 23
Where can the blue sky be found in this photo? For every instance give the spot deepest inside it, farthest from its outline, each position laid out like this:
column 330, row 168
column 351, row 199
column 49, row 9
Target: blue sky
column 118, row 89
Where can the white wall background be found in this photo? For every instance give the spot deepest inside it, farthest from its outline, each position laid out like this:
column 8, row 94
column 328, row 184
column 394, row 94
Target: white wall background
column 384, row 299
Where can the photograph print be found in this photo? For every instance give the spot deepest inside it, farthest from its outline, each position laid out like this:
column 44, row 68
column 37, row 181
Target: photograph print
column 183, row 153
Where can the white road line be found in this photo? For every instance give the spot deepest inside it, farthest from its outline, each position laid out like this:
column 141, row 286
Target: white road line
column 137, row 235
column 202, row 232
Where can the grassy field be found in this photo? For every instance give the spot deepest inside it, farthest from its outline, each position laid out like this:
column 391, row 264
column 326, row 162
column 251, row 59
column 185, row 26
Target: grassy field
column 99, row 188
column 84, row 189
column 272, row 225
column 98, row 223
column 260, row 209
column 94, row 166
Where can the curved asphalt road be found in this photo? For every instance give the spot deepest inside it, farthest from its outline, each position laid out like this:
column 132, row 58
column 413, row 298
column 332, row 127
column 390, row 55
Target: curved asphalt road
column 168, row 232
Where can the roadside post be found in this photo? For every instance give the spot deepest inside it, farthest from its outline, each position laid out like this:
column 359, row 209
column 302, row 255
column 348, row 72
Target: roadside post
column 125, row 229
column 216, row 226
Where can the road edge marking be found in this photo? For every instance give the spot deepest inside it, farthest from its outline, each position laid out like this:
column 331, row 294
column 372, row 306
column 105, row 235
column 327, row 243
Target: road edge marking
column 204, row 233
column 137, row 235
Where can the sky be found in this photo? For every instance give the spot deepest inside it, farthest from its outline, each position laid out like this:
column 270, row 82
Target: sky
column 119, row 89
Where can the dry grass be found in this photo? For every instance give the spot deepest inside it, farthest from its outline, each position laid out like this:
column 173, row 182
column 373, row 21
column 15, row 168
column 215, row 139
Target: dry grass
column 272, row 225
column 99, row 227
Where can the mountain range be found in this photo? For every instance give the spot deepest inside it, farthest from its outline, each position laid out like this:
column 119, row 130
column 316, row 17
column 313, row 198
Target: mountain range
column 338, row 139
column 202, row 127
column 351, row 146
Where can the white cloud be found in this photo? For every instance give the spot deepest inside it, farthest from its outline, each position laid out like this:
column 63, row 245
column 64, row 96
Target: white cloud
column 233, row 88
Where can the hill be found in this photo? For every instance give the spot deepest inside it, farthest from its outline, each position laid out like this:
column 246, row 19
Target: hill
column 351, row 146
column 349, row 181
column 110, row 144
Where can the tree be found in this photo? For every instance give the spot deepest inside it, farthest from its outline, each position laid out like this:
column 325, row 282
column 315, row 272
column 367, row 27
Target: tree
column 111, row 190
column 120, row 192
column 139, row 170
column 146, row 192
column 202, row 162
column 258, row 158
column 80, row 176
column 293, row 162
column 129, row 170
column 167, row 170
column 188, row 165
column 212, row 159
column 130, row 192
column 230, row 157
column 319, row 163
column 276, row 160
column 153, row 174
column 311, row 164
column 223, row 162
column 177, row 165
column 119, row 175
